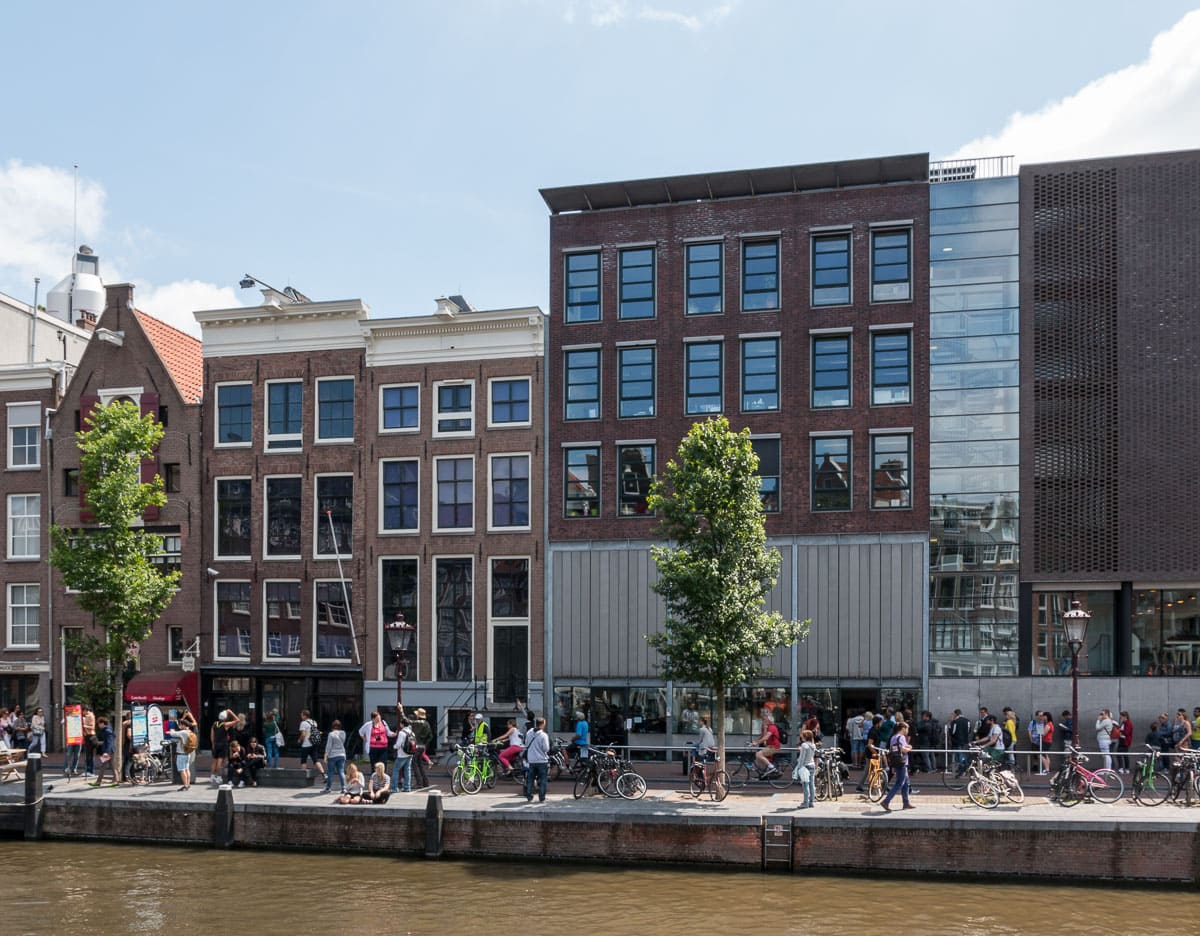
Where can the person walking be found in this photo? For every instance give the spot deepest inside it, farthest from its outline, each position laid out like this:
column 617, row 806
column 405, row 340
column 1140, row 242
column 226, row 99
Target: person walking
column 423, row 733
column 960, row 738
column 107, row 745
column 806, row 768
column 37, row 731
column 335, row 757
column 1104, row 736
column 537, row 756
column 308, row 749
column 405, row 746
column 272, row 732
column 91, row 743
column 898, row 748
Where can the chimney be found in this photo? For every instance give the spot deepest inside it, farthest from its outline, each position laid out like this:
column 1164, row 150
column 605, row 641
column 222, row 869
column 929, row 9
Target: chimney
column 117, row 298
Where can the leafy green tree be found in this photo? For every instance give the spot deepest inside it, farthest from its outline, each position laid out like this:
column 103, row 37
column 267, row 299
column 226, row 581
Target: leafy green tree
column 93, row 680
column 112, row 565
column 715, row 576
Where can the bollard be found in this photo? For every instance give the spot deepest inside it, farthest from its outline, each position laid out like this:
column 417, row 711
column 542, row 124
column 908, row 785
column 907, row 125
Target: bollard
column 223, row 817
column 434, row 817
column 33, row 797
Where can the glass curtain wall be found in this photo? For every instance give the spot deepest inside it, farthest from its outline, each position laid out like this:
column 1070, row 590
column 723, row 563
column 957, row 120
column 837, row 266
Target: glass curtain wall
column 973, row 503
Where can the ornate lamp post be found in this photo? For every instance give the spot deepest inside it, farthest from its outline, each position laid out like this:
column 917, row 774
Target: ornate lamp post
column 399, row 634
column 1075, row 625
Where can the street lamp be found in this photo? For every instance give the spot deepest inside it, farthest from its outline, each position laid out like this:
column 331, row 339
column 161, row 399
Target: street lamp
column 1075, row 625
column 399, row 634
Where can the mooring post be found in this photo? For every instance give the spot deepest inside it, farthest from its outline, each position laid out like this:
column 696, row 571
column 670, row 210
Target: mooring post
column 434, row 817
column 223, row 817
column 33, row 796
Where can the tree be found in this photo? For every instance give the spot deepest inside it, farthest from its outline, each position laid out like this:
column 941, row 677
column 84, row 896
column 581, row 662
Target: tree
column 113, row 566
column 715, row 577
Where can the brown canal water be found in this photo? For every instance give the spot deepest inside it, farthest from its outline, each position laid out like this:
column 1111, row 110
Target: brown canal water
column 98, row 889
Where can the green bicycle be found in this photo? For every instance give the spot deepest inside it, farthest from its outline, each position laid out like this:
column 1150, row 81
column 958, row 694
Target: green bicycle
column 475, row 770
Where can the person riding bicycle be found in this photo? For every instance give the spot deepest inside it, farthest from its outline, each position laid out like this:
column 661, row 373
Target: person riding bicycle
column 768, row 746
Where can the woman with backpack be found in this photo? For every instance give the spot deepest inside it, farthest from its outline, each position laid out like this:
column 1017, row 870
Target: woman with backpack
column 406, row 745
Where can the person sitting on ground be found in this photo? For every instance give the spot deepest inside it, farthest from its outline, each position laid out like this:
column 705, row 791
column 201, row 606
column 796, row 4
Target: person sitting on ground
column 768, row 745
column 235, row 772
column 379, row 786
column 354, row 785
column 256, row 760
column 510, row 747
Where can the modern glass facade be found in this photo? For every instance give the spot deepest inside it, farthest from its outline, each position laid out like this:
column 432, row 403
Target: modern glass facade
column 973, row 452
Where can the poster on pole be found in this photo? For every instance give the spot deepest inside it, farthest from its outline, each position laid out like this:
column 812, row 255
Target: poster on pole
column 154, row 727
column 139, row 725
column 74, row 719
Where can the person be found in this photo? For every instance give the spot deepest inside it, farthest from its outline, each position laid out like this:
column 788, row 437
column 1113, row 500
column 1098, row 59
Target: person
column 960, row 738
column 105, row 734
column 354, row 785
column 5, row 727
column 898, row 743
column 806, row 768
column 582, row 737
column 768, row 745
column 378, row 736
column 854, row 732
column 510, row 747
column 1047, row 743
column 1010, row 735
column 188, row 720
column 1195, row 736
column 1125, row 742
column 308, row 750
column 19, row 728
column 689, row 719
column 127, row 745
column 992, row 742
column 219, row 736
column 1065, row 729
column 271, row 728
column 1104, row 734
column 405, row 741
column 256, row 759
column 71, row 760
column 537, row 756
column 335, row 757
column 929, row 737
column 91, row 743
column 981, row 726
column 813, row 724
column 235, row 765
column 479, row 731
column 184, row 739
column 423, row 732
column 378, row 787
column 706, row 743
column 872, row 752
column 1181, row 737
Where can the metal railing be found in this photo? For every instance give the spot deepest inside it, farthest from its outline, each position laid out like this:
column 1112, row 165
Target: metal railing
column 967, row 170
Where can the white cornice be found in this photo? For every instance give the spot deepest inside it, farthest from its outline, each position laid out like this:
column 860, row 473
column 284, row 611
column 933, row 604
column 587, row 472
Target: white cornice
column 470, row 336
column 22, row 378
column 282, row 329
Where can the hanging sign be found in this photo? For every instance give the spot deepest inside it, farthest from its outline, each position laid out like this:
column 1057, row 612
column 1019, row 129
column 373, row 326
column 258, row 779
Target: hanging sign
column 74, row 719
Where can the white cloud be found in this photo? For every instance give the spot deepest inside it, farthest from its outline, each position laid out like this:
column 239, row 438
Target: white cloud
column 1148, row 107
column 175, row 302
column 612, row 12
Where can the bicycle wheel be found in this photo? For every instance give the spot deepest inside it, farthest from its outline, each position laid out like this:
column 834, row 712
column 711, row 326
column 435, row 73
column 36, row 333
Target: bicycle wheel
column 453, row 759
column 821, row 786
column 472, row 778
column 1106, row 786
column 606, row 779
column 952, row 779
column 1072, row 791
column 583, row 783
column 631, row 785
column 696, row 780
column 1152, row 790
column 1013, row 792
column 983, row 794
column 876, row 787
column 718, row 786
column 554, row 771
column 782, row 779
column 456, row 784
column 739, row 774
column 489, row 774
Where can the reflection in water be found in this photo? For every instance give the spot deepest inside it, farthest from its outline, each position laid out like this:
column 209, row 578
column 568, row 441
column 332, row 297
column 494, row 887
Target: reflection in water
column 115, row 889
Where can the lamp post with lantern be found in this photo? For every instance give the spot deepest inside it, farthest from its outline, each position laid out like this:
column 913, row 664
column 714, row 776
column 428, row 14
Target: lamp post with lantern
column 1075, row 625
column 399, row 634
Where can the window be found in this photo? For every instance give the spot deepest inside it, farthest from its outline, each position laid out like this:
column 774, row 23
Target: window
column 831, row 473
column 24, row 610
column 172, row 477
column 509, row 491
column 582, row 370
column 164, row 416
column 760, row 275
column 454, row 408
column 285, row 405
column 398, row 592
column 702, row 365
column 70, row 482
column 335, row 409
column 400, row 408
column 234, row 414
column 233, row 518
column 581, row 482
column 333, row 631
column 401, row 495
column 281, row 604
column 233, row 620
column 635, row 471
column 583, row 287
column 760, row 374
column 637, row 283
column 831, row 269
column 455, row 507
column 703, row 279
column 510, row 402
column 831, row 371
column 510, row 588
column 282, row 536
column 453, row 608
column 890, row 367
column 891, row 265
column 171, row 557
column 24, row 444
column 767, row 451
column 636, row 377
column 24, row 526
column 335, row 515
column 175, row 644
column 890, row 479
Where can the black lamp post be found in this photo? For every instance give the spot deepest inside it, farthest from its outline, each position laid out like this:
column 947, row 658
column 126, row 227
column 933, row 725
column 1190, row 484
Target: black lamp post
column 1075, row 625
column 399, row 634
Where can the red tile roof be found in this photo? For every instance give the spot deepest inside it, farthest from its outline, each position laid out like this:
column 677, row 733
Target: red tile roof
column 180, row 353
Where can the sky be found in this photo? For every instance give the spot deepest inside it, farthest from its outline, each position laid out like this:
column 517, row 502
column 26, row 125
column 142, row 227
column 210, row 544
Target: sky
column 393, row 151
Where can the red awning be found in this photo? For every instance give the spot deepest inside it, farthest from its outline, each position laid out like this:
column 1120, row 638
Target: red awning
column 181, row 688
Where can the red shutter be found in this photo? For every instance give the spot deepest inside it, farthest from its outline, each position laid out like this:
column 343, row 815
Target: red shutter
column 86, row 405
column 150, row 465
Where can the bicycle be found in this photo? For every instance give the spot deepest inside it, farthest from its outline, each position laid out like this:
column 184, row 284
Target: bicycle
column 476, row 769
column 700, row 780
column 989, row 781
column 1150, row 786
column 1185, row 782
column 876, row 779
column 612, row 775
column 1074, row 783
column 827, row 783
column 745, row 771
column 147, row 766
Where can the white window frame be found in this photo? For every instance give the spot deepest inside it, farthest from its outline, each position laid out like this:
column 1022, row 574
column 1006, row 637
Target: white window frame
column 398, row 531
column 438, row 416
column 108, row 394
column 319, row 517
column 510, row 425
column 491, row 522
column 216, row 634
column 217, row 443
column 316, row 611
column 266, row 518
column 12, row 527
column 10, row 642
column 491, row 560
column 497, row 622
column 20, row 422
column 385, row 651
column 433, row 605
column 216, row 492
column 266, row 655
column 383, row 430
column 268, row 436
column 334, row 440
column 167, row 554
column 474, row 498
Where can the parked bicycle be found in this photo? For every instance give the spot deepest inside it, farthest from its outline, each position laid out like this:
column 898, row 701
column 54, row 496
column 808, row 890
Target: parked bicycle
column 877, row 779
column 745, row 771
column 989, row 780
column 704, row 777
column 831, row 773
column 477, row 768
column 612, row 775
column 1185, row 781
column 1150, row 786
column 147, row 766
column 1073, row 783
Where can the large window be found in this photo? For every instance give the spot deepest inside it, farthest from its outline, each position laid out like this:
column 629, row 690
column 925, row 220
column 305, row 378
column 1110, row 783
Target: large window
column 637, row 283
column 335, row 515
column 635, row 368
column 510, row 588
column 760, row 275
column 891, row 371
column 171, row 557
column 282, row 536
column 400, row 408
column 891, row 265
column 453, row 607
column 831, row 473
column 831, row 370
column 23, row 615
column 285, row 410
column 335, row 409
column 24, row 526
column 760, row 374
column 583, row 287
column 234, row 413
column 635, row 471
column 455, row 507
column 401, row 495
column 24, row 446
column 509, row 491
column 831, row 269
column 398, row 593
column 703, row 279
column 767, row 451
column 1166, row 632
column 582, row 369
column 233, row 518
column 510, row 402
column 334, row 635
column 702, row 362
column 233, row 620
column 581, row 482
column 281, row 601
column 454, row 408
column 891, row 479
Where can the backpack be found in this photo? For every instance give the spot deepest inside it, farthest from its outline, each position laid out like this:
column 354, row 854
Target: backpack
column 783, row 734
column 314, row 735
column 895, row 757
column 189, row 742
column 410, row 744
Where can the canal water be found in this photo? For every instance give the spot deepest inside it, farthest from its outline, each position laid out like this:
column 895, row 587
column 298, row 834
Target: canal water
column 98, row 889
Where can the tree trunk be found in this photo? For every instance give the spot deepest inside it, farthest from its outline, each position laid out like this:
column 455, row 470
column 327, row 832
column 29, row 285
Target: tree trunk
column 719, row 692
column 119, row 727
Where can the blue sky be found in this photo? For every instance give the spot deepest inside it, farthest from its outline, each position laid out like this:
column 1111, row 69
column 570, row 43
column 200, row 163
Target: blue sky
column 394, row 151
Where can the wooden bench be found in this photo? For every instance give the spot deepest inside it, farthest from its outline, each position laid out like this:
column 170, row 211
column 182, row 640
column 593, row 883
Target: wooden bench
column 12, row 763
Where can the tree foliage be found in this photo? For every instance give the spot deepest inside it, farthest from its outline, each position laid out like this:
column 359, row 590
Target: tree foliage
column 93, row 681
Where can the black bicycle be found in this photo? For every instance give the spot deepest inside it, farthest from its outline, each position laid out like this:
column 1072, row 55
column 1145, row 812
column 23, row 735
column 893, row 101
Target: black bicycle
column 745, row 771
